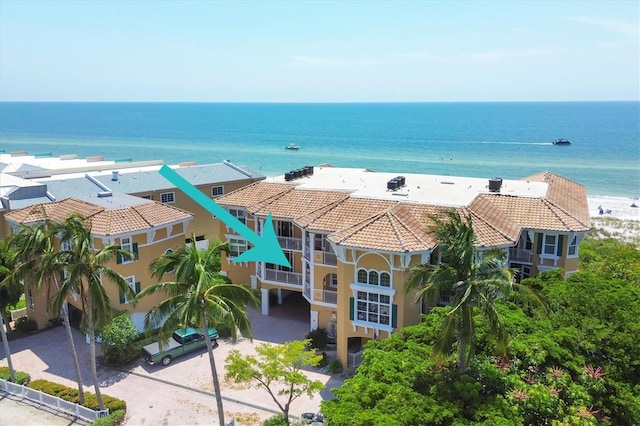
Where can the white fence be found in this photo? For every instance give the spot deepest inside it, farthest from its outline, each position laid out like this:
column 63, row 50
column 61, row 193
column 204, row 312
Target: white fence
column 52, row 401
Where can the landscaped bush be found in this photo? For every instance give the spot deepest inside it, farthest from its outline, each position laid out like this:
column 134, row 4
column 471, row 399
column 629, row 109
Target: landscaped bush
column 120, row 343
column 114, row 418
column 319, row 338
column 335, row 366
column 22, row 378
column 277, row 420
column 26, row 324
column 71, row 395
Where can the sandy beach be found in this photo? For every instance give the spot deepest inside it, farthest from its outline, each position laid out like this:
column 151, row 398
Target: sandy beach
column 614, row 217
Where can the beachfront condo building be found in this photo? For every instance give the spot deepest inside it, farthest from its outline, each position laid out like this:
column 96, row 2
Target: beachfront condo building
column 351, row 235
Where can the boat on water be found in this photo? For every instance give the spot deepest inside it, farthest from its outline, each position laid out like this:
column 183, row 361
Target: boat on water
column 561, row 142
column 292, row 147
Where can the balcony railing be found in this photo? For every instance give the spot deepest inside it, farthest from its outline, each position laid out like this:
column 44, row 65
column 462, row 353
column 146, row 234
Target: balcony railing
column 284, row 277
column 325, row 258
column 354, row 358
column 329, row 296
column 522, row 255
column 290, row 243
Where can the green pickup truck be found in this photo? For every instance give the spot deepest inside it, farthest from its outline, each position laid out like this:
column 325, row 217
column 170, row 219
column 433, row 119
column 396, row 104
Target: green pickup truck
column 183, row 341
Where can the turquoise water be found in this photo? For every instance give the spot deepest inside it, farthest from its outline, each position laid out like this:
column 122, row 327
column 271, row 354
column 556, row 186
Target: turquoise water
column 510, row 140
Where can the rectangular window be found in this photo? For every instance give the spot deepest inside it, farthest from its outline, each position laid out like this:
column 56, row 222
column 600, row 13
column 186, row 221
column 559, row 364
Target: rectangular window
column 239, row 214
column 168, row 197
column 133, row 285
column 217, row 191
column 373, row 307
column 333, row 280
column 125, row 244
column 237, row 247
column 549, row 245
column 572, row 250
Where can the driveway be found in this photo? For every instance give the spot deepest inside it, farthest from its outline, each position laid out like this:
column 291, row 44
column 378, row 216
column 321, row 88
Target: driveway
column 181, row 393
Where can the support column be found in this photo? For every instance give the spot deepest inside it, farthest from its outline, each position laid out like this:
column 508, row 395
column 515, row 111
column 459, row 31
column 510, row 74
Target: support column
column 264, row 292
column 254, row 282
column 280, row 296
column 313, row 316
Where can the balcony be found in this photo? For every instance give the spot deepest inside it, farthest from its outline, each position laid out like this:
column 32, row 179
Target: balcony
column 520, row 255
column 325, row 258
column 329, row 296
column 280, row 277
column 290, row 243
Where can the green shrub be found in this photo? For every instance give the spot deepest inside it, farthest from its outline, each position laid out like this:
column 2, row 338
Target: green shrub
column 120, row 343
column 115, row 418
column 26, row 324
column 22, row 378
column 277, row 420
column 319, row 338
column 71, row 394
column 335, row 366
column 20, row 305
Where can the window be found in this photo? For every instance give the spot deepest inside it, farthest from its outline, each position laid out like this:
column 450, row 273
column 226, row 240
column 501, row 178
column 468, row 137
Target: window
column 168, row 197
column 528, row 244
column 572, row 250
column 125, row 244
column 133, row 285
column 239, row 214
column 217, row 191
column 373, row 307
column 30, row 300
column 333, row 280
column 549, row 244
column 382, row 279
column 237, row 247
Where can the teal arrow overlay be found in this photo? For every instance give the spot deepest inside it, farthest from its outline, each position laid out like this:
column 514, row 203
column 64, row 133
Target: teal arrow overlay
column 265, row 247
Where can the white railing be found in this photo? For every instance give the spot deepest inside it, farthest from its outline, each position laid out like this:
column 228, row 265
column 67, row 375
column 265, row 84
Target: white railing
column 355, row 358
column 281, row 276
column 52, row 401
column 290, row 243
column 18, row 313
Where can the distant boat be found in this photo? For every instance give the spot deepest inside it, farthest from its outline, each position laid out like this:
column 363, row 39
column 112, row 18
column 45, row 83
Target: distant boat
column 561, row 142
column 292, row 147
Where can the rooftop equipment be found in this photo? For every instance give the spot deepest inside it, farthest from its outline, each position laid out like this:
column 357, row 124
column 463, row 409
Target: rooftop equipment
column 495, row 184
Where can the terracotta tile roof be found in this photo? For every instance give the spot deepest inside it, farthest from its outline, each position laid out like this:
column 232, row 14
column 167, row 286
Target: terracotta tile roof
column 343, row 214
column 297, row 203
column 510, row 214
column 254, row 194
column 395, row 229
column 57, row 211
column 567, row 195
column 104, row 221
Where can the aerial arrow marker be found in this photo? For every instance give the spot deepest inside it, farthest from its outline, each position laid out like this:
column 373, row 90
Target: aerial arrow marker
column 265, row 247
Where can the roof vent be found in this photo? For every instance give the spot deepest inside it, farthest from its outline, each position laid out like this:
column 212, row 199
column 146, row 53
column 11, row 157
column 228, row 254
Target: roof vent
column 495, row 184
column 114, row 175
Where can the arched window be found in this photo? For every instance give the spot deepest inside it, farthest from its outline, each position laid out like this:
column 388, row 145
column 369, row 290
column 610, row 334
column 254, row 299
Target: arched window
column 362, row 276
column 385, row 279
column 373, row 277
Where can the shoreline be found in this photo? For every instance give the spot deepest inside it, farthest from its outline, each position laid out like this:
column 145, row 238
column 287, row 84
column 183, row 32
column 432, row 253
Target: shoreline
column 613, row 207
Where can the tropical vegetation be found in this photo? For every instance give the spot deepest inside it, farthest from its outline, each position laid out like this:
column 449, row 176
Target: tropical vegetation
column 198, row 295
column 576, row 362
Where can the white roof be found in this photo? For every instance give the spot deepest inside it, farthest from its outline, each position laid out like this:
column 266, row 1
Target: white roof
column 452, row 191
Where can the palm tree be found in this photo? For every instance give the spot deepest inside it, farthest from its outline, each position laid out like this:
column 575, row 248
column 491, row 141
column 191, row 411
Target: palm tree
column 85, row 268
column 474, row 279
column 200, row 296
column 31, row 244
column 8, row 289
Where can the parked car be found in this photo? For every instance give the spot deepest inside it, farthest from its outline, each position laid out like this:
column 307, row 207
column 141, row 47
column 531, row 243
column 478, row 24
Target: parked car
column 183, row 341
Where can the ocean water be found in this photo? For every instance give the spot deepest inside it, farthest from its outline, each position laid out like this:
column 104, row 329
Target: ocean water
column 508, row 140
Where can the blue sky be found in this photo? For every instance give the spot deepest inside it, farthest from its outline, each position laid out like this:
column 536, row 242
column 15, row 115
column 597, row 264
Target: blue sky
column 305, row 51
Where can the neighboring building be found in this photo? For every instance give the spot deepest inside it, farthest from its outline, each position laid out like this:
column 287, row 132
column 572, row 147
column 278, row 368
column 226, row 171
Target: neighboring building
column 146, row 228
column 63, row 185
column 351, row 235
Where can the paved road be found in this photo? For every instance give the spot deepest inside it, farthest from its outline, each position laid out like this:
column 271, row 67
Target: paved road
column 180, row 394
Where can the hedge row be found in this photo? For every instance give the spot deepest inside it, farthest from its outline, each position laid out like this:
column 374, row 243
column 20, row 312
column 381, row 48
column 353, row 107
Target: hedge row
column 71, row 394
column 22, row 378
